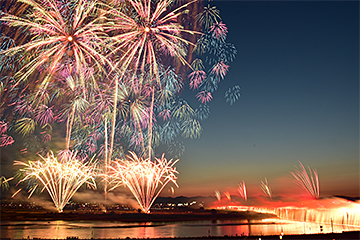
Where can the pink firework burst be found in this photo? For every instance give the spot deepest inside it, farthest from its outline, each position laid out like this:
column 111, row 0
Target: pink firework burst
column 204, row 96
column 220, row 69
column 6, row 140
column 219, row 30
column 196, row 78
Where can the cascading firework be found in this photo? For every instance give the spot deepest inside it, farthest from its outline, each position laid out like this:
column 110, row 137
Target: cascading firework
column 144, row 178
column 60, row 176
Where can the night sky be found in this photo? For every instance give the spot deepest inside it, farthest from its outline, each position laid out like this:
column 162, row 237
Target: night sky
column 298, row 69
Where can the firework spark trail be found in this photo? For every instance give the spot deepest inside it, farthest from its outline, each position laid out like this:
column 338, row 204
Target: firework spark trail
column 61, row 177
column 242, row 190
column 144, row 178
column 266, row 188
column 308, row 180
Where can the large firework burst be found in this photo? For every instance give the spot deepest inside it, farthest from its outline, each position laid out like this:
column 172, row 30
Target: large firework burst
column 60, row 30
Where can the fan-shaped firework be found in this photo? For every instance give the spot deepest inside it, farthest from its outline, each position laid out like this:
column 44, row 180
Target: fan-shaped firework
column 242, row 190
column 232, row 94
column 308, row 180
column 144, row 178
column 266, row 188
column 61, row 177
column 218, row 195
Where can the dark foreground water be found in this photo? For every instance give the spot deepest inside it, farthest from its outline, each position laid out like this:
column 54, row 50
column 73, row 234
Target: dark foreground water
column 96, row 229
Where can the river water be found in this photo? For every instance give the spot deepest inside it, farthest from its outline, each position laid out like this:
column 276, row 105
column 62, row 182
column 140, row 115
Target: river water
column 98, row 229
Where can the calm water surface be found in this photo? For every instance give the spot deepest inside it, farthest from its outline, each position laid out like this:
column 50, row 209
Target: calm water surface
column 96, row 229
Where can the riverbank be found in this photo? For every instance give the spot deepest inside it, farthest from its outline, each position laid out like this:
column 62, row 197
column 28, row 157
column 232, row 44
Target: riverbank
column 355, row 235
column 130, row 216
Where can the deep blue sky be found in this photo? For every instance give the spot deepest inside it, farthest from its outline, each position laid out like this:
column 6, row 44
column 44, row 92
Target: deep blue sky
column 298, row 68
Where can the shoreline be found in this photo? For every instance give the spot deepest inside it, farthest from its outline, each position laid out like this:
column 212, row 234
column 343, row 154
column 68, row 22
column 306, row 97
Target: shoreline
column 155, row 216
column 351, row 235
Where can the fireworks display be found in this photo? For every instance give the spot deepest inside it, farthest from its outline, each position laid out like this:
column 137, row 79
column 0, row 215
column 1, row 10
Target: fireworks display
column 60, row 176
column 110, row 72
column 144, row 178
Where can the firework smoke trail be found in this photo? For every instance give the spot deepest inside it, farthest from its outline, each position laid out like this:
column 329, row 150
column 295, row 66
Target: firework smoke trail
column 242, row 190
column 60, row 177
column 266, row 188
column 144, row 178
column 307, row 180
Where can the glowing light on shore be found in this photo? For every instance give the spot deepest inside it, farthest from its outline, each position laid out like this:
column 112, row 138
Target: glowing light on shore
column 61, row 177
column 336, row 211
column 144, row 178
column 307, row 180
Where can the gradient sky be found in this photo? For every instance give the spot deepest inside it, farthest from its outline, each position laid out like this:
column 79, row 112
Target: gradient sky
column 298, row 69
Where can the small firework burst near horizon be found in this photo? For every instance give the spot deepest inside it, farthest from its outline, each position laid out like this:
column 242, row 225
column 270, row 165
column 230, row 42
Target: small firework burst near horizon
column 218, row 195
column 144, row 178
column 308, row 180
column 60, row 176
column 266, row 188
column 242, row 190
